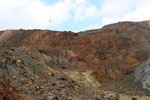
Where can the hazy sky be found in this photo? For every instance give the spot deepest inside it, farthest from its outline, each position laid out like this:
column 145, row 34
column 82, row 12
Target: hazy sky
column 74, row 15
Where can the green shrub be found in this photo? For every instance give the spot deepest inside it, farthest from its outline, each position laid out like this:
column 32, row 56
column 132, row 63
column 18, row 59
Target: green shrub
column 102, row 94
column 8, row 46
column 117, row 96
column 133, row 98
column 41, row 51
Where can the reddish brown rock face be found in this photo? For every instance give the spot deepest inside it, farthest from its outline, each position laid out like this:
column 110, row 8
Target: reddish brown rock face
column 113, row 50
column 44, row 64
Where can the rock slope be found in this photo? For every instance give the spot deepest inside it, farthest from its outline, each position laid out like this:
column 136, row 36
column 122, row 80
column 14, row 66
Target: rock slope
column 23, row 77
column 115, row 49
column 54, row 65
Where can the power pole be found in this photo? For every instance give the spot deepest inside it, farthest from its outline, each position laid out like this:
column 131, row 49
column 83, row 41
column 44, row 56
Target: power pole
column 50, row 20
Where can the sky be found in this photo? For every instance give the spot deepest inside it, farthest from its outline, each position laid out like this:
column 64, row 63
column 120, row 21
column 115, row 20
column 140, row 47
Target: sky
column 70, row 15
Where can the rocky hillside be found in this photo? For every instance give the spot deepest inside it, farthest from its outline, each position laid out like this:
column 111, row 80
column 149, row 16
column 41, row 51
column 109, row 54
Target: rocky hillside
column 115, row 49
column 54, row 65
column 24, row 75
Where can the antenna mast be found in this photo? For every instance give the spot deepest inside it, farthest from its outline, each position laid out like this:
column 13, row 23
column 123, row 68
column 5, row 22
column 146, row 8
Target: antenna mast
column 50, row 20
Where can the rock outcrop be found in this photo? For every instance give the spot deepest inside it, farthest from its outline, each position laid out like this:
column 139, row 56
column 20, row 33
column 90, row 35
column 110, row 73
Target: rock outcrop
column 142, row 74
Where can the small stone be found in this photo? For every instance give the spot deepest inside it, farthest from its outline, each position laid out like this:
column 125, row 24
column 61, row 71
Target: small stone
column 55, row 98
column 4, row 98
column 41, row 87
column 19, row 60
column 63, row 79
column 37, row 87
column 12, row 49
column 29, row 53
column 10, row 89
column 52, row 74
column 50, row 97
column 53, row 84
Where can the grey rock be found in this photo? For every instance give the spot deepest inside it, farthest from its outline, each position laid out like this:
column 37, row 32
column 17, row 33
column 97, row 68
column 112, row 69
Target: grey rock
column 142, row 74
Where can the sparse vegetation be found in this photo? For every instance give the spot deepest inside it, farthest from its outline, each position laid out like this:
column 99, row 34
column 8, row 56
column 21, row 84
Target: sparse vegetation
column 133, row 98
column 117, row 96
column 51, row 63
column 8, row 46
column 41, row 51
column 102, row 94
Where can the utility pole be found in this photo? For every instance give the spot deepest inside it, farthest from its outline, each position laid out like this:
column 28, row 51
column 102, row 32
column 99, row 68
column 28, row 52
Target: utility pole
column 50, row 20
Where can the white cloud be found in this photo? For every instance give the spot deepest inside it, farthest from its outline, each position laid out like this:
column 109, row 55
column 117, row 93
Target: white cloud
column 141, row 13
column 60, row 11
column 125, row 10
column 116, row 7
column 84, row 9
column 36, row 13
column 23, row 14
column 92, row 11
column 92, row 26
column 109, row 20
